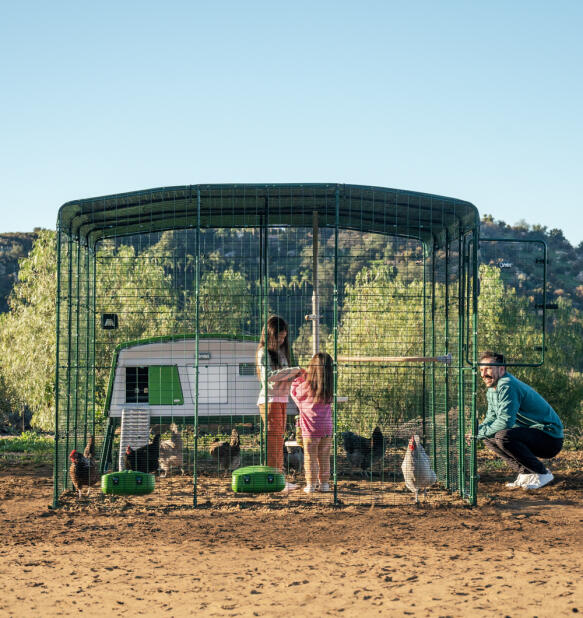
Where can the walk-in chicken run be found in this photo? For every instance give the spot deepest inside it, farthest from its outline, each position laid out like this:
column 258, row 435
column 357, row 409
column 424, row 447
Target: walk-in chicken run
column 163, row 296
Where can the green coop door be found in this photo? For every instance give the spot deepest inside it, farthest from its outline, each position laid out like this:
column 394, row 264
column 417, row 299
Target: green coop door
column 164, row 386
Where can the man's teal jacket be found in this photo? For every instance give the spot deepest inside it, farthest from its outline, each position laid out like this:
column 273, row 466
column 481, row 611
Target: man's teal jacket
column 513, row 403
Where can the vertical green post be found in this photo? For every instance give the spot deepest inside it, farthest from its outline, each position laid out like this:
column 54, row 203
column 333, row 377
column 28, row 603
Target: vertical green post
column 335, row 329
column 87, row 336
column 433, row 429
column 196, row 340
column 424, row 370
column 446, row 366
column 265, row 248
column 544, row 324
column 93, row 331
column 460, row 368
column 57, row 390
column 77, row 328
column 69, row 360
column 474, row 417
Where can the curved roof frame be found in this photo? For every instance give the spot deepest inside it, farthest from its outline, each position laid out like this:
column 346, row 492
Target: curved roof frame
column 433, row 219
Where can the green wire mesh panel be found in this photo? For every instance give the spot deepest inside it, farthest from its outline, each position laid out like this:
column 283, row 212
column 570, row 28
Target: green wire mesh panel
column 513, row 299
column 162, row 296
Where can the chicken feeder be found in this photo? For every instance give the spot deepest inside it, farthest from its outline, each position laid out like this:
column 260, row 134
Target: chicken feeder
column 127, row 483
column 257, row 479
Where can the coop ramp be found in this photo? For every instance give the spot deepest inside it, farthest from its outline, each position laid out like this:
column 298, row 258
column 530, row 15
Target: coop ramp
column 135, row 431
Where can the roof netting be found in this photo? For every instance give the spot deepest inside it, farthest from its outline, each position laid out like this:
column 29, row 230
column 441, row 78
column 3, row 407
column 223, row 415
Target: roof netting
column 433, row 219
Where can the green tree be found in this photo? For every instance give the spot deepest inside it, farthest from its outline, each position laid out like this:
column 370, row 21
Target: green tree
column 27, row 332
column 225, row 303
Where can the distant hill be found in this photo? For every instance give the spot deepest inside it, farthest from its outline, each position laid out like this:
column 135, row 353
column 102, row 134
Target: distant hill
column 565, row 270
column 13, row 246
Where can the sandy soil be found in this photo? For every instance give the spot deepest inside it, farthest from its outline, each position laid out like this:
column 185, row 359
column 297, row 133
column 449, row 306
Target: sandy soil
column 516, row 554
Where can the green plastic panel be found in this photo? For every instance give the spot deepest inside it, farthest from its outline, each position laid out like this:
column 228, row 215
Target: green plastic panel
column 164, row 387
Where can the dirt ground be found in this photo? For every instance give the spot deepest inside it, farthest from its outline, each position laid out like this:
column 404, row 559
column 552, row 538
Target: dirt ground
column 516, row 554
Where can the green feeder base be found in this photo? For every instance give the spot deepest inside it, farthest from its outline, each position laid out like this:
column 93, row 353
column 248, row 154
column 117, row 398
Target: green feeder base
column 127, row 483
column 257, row 479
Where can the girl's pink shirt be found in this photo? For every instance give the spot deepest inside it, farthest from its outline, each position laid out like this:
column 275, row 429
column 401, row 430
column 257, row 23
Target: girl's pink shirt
column 315, row 417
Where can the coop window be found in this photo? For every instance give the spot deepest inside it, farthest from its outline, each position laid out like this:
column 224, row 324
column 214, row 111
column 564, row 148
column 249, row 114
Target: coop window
column 213, row 384
column 246, row 369
column 164, row 385
column 136, row 385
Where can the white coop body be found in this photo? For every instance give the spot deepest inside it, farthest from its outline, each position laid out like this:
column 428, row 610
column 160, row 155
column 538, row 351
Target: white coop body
column 159, row 377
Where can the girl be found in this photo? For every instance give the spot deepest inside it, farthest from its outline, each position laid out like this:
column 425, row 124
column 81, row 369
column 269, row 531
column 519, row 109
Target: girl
column 279, row 377
column 312, row 392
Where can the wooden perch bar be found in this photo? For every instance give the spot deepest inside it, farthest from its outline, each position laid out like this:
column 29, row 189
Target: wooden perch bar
column 395, row 359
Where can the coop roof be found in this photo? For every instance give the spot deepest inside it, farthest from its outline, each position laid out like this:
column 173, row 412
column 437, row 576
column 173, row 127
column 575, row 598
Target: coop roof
column 430, row 218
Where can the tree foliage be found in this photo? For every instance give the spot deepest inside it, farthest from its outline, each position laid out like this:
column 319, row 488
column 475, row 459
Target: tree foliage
column 27, row 333
column 224, row 304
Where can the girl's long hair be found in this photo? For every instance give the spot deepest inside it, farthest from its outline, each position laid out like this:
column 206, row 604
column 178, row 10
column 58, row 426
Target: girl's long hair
column 275, row 325
column 319, row 377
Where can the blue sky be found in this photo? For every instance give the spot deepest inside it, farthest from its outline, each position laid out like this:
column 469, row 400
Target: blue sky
column 476, row 100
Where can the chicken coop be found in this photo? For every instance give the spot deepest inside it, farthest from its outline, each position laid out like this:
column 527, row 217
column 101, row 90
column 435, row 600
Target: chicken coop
column 162, row 296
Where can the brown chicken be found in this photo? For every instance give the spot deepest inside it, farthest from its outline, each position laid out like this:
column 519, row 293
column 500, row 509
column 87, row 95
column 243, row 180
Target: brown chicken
column 83, row 470
column 171, row 452
column 227, row 454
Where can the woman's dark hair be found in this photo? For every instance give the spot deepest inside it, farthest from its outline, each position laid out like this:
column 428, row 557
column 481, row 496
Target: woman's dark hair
column 497, row 358
column 320, row 377
column 275, row 325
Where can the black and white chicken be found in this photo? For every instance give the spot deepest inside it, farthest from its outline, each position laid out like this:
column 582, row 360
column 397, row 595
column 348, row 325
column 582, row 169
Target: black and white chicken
column 293, row 459
column 417, row 469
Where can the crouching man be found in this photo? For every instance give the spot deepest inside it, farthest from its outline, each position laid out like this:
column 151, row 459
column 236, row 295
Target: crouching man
column 520, row 425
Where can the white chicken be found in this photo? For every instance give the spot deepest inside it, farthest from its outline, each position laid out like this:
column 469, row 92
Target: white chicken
column 416, row 468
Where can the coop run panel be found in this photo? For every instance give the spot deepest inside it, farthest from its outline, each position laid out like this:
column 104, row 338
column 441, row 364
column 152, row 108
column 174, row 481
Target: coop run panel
column 162, row 298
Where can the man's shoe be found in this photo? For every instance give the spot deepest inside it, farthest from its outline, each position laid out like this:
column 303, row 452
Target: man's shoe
column 519, row 481
column 540, row 481
column 289, row 487
column 325, row 487
column 310, row 489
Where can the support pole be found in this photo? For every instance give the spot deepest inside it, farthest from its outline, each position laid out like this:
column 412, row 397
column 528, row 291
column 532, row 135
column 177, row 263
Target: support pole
column 315, row 299
column 315, row 315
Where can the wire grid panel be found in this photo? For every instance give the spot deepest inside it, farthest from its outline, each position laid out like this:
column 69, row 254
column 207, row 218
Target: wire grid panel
column 512, row 303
